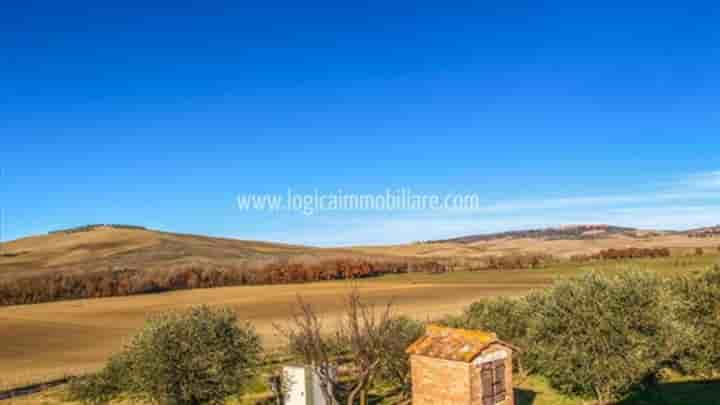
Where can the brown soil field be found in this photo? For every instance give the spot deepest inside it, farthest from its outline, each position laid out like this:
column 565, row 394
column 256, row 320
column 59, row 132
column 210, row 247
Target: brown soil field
column 44, row 341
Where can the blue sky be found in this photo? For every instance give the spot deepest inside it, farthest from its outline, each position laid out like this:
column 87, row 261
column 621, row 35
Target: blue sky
column 161, row 113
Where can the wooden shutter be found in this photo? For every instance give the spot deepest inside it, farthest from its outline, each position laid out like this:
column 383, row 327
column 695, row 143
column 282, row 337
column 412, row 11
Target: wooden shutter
column 488, row 394
column 499, row 381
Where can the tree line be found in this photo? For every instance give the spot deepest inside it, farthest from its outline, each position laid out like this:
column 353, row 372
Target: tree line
column 627, row 253
column 128, row 281
column 519, row 261
column 87, row 228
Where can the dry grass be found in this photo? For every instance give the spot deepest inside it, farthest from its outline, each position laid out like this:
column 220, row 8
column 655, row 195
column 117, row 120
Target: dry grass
column 147, row 250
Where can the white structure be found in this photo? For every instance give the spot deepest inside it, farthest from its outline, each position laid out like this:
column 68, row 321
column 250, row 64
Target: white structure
column 302, row 386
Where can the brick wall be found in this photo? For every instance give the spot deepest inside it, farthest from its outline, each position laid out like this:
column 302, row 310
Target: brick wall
column 440, row 382
column 445, row 382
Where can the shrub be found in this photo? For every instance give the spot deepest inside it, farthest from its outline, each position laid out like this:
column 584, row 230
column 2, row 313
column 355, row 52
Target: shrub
column 395, row 364
column 601, row 337
column 509, row 318
column 102, row 387
column 698, row 311
column 199, row 356
column 196, row 357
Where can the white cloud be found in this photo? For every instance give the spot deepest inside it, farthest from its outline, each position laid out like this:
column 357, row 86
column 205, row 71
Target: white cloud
column 690, row 203
column 405, row 230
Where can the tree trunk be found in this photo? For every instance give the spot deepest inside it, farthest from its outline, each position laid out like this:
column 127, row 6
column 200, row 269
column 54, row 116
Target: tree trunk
column 353, row 394
column 362, row 383
column 327, row 392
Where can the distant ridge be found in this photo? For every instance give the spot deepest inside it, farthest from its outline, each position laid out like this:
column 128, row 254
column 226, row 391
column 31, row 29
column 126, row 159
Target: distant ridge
column 92, row 227
column 705, row 232
column 565, row 232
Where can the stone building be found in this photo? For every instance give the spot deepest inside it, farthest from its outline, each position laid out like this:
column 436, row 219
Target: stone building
column 458, row 367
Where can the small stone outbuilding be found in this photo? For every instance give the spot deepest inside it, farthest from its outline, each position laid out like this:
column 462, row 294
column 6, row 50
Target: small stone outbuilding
column 461, row 367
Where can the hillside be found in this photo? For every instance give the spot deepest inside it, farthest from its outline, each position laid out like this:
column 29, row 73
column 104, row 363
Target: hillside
column 108, row 261
column 106, row 247
column 103, row 247
column 571, row 232
column 705, row 232
column 562, row 242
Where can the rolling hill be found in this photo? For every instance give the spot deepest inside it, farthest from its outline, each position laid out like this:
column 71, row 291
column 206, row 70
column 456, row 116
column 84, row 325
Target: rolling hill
column 107, row 247
column 103, row 247
column 570, row 232
column 561, row 242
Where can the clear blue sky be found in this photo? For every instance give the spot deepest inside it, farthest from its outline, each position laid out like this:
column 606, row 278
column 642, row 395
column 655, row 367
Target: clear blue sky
column 161, row 113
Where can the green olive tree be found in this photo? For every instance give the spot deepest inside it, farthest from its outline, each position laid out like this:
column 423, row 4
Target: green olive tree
column 698, row 310
column 601, row 337
column 193, row 357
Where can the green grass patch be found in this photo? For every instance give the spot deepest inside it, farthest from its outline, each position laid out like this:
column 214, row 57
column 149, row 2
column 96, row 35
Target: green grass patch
column 664, row 266
column 679, row 391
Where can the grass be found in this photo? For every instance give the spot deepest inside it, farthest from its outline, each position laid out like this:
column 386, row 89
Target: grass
column 532, row 391
column 678, row 391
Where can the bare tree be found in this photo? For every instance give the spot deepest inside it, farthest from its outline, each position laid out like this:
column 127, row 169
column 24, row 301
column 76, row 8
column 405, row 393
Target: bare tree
column 366, row 332
column 362, row 335
column 307, row 338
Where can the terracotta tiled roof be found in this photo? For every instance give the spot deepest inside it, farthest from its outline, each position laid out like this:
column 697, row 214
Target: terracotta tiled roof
column 452, row 344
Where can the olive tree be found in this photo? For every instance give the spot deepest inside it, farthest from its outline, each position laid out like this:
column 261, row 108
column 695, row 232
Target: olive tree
column 395, row 364
column 698, row 310
column 509, row 318
column 193, row 357
column 601, row 337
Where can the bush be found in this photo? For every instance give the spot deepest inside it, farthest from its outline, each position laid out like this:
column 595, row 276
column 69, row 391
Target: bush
column 199, row 356
column 601, row 337
column 509, row 318
column 102, row 387
column 395, row 365
column 698, row 311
